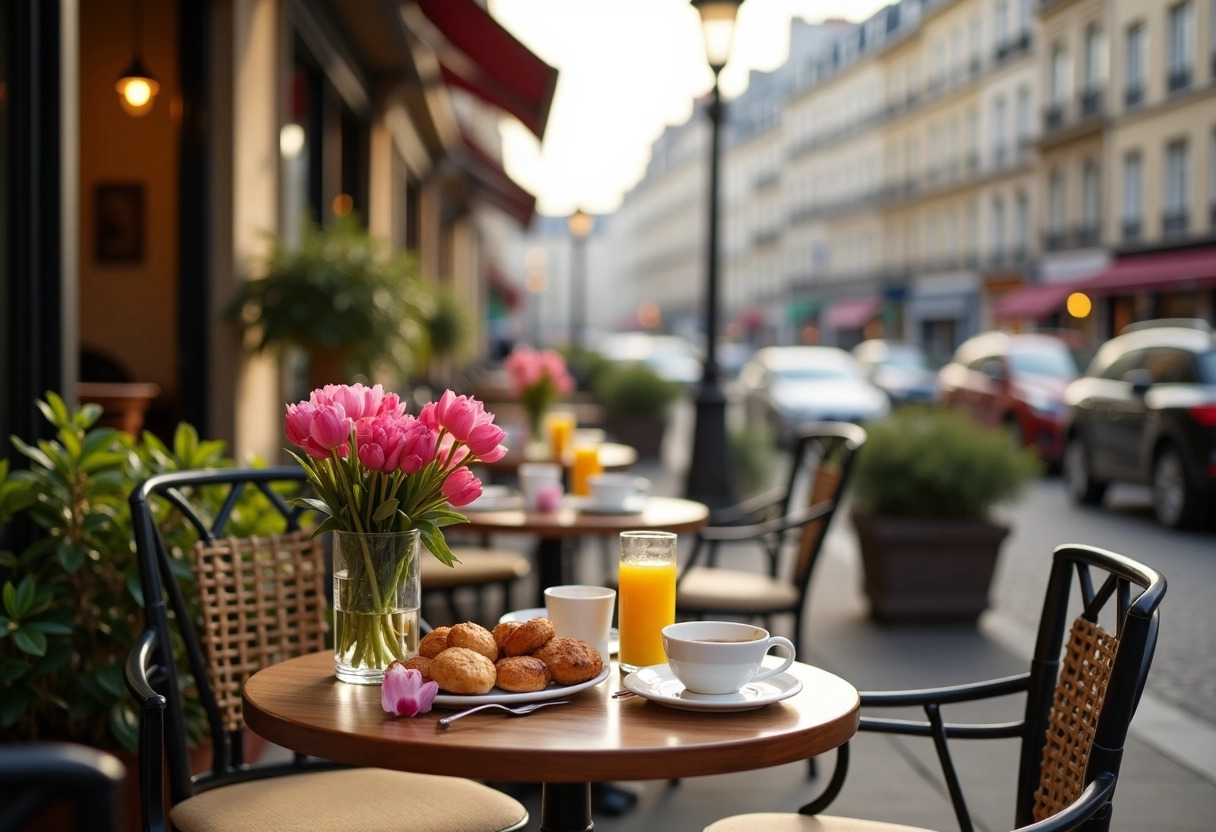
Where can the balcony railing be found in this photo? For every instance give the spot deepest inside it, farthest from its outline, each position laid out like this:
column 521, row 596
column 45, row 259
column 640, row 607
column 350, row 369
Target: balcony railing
column 1053, row 117
column 1088, row 236
column 1174, row 223
column 1091, row 102
column 1131, row 230
column 1179, row 79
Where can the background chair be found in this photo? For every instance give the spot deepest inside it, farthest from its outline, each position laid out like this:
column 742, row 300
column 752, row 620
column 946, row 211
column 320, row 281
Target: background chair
column 480, row 568
column 1082, row 689
column 261, row 598
column 820, row 468
column 35, row 777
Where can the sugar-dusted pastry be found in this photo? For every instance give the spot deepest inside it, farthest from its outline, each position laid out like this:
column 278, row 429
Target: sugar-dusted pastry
column 503, row 631
column 434, row 642
column 474, row 637
column 520, row 674
column 529, row 637
column 420, row 663
column 571, row 660
column 464, row 671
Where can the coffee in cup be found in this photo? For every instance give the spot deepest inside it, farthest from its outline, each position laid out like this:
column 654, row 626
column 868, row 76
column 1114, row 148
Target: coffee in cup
column 720, row 657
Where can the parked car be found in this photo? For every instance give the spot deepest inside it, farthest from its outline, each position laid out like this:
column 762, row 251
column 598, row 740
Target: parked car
column 673, row 358
column 1145, row 412
column 1015, row 381
column 785, row 387
column 903, row 371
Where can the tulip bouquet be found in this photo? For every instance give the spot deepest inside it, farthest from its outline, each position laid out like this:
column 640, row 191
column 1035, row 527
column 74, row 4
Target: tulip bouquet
column 537, row 378
column 377, row 470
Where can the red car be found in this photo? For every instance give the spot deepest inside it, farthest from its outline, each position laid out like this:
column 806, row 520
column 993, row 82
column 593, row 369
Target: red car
column 1014, row 381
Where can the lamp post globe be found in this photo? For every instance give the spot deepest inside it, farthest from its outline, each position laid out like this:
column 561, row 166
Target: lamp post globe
column 709, row 477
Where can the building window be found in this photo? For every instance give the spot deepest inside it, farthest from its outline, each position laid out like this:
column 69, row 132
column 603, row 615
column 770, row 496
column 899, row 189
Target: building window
column 998, row 130
column 1212, row 180
column 1134, row 61
column 1177, row 181
column 1055, row 211
column 1059, row 76
column 1023, row 117
column 1095, row 57
column 1021, row 226
column 975, row 43
column 998, row 230
column 1000, row 23
column 1090, row 205
column 1133, row 188
column 1181, row 46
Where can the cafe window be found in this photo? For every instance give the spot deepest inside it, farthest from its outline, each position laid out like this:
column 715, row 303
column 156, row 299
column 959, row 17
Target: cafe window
column 1059, row 69
column 1134, row 60
column 1177, row 174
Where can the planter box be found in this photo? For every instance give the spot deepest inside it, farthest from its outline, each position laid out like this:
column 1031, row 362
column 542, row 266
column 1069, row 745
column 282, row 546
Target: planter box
column 927, row 570
column 644, row 433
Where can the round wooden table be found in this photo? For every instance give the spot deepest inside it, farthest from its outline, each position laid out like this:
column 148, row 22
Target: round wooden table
column 613, row 456
column 299, row 705
column 667, row 514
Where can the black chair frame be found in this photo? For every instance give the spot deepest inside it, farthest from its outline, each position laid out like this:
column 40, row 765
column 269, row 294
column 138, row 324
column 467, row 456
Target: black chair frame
column 35, row 776
column 1138, row 623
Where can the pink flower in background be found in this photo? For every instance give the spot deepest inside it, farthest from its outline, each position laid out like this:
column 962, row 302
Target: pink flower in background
column 537, row 378
column 461, row 487
column 403, row 693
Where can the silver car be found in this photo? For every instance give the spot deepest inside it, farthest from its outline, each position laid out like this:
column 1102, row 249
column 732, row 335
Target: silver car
column 785, row 387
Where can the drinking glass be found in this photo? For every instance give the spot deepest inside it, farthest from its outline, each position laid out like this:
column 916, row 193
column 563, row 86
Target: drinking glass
column 646, row 595
column 585, row 466
column 561, row 425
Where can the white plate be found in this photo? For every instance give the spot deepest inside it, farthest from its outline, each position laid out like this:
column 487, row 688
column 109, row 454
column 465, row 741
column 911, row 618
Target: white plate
column 614, row 635
column 502, row 697
column 657, row 684
column 634, row 505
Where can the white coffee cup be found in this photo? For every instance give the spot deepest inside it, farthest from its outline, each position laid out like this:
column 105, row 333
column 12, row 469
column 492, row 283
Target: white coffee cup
column 583, row 612
column 720, row 657
column 616, row 489
column 538, row 480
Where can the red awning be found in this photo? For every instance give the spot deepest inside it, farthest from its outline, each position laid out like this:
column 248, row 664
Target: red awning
column 485, row 59
column 852, row 313
column 1157, row 272
column 500, row 284
column 493, row 183
column 1032, row 301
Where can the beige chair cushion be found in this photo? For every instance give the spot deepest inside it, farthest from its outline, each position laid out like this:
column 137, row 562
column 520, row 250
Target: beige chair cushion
column 351, row 800
column 477, row 567
column 790, row 822
column 730, row 589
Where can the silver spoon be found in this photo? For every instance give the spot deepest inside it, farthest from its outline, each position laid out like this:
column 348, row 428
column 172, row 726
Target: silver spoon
column 516, row 711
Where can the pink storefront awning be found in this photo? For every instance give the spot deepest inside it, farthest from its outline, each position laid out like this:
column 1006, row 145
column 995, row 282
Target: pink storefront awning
column 851, row 313
column 1032, row 301
column 1158, row 272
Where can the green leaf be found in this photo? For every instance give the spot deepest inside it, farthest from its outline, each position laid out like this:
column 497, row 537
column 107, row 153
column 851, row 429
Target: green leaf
column 26, row 591
column 445, row 517
column 101, row 460
column 185, row 440
column 30, row 641
column 432, row 538
column 110, row 679
column 135, row 587
column 10, row 599
column 8, row 560
column 124, row 725
column 51, row 628
column 57, row 657
column 13, row 706
column 33, row 454
column 88, row 415
column 385, row 510
column 331, row 524
column 312, row 503
column 12, row 669
column 70, row 556
column 98, row 439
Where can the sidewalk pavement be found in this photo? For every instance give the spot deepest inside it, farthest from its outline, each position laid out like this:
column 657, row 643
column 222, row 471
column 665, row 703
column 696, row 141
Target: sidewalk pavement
column 1167, row 783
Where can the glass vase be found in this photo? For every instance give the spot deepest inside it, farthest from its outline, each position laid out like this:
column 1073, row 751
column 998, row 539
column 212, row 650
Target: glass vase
column 377, row 593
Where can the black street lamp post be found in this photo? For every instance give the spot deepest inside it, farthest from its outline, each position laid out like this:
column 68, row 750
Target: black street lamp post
column 709, row 476
column 580, row 225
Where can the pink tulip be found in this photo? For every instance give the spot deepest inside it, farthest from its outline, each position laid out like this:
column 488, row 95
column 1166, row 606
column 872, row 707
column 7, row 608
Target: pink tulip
column 485, row 441
column 330, row 426
column 403, row 693
column 452, row 454
column 417, row 445
column 434, row 414
column 391, row 403
column 299, row 422
column 461, row 487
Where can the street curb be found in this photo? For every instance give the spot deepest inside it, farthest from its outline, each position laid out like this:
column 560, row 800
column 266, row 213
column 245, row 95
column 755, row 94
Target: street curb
column 1170, row 731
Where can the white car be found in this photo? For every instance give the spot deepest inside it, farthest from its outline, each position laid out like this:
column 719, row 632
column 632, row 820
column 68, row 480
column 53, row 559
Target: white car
column 670, row 356
column 786, row 387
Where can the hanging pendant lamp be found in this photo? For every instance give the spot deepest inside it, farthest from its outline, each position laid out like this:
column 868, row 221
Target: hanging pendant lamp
column 136, row 87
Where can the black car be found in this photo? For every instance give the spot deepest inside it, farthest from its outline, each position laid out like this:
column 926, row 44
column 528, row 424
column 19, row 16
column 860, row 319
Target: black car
column 1145, row 412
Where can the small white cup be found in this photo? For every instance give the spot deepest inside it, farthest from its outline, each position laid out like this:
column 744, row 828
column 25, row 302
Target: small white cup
column 538, row 480
column 720, row 657
column 616, row 489
column 583, row 612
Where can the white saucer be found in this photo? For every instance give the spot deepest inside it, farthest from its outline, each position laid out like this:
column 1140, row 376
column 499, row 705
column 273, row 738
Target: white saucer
column 614, row 635
column 495, row 498
column 657, row 684
column 501, row 697
column 633, row 505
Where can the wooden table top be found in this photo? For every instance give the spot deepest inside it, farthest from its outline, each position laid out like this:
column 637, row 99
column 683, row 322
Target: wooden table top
column 668, row 514
column 299, row 704
column 613, row 455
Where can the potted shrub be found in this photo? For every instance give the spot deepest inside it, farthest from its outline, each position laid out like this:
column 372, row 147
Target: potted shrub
column 924, row 489
column 635, row 401
column 340, row 299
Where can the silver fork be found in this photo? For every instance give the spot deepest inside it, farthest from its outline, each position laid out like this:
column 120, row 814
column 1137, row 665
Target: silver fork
column 516, row 711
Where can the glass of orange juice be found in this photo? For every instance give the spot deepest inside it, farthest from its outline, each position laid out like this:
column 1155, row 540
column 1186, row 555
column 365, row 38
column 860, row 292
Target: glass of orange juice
column 586, row 465
column 646, row 597
column 561, row 432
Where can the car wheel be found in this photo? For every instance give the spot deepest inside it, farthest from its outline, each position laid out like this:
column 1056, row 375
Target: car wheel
column 1082, row 487
column 1176, row 502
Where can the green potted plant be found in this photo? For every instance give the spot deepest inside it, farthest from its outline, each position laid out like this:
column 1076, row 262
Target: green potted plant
column 70, row 601
column 924, row 490
column 635, row 401
column 339, row 298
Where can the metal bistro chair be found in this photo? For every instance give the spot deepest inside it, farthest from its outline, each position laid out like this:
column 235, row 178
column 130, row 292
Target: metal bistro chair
column 262, row 600
column 1082, row 689
column 37, row 776
column 821, row 465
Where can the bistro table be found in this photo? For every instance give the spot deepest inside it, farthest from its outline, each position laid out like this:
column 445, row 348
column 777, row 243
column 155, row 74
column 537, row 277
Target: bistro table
column 300, row 705
column 613, row 456
column 553, row 528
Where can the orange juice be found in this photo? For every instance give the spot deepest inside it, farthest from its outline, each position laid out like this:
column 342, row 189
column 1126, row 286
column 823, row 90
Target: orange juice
column 586, row 466
column 647, row 598
column 561, row 431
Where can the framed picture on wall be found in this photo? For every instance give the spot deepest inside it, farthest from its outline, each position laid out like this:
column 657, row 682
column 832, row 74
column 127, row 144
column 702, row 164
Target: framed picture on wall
column 119, row 222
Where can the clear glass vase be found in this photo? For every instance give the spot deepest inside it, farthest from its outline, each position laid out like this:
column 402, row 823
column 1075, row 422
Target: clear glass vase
column 377, row 593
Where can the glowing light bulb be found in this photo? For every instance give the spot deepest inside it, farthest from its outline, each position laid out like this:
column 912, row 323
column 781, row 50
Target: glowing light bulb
column 136, row 93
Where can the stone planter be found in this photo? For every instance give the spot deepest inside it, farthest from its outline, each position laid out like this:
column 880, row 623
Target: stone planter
column 927, row 570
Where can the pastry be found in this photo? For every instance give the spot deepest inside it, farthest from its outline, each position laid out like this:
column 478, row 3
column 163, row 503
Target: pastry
column 474, row 637
column 420, row 663
column 503, row 630
column 528, row 637
column 434, row 642
column 520, row 674
column 571, row 660
column 463, row 671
